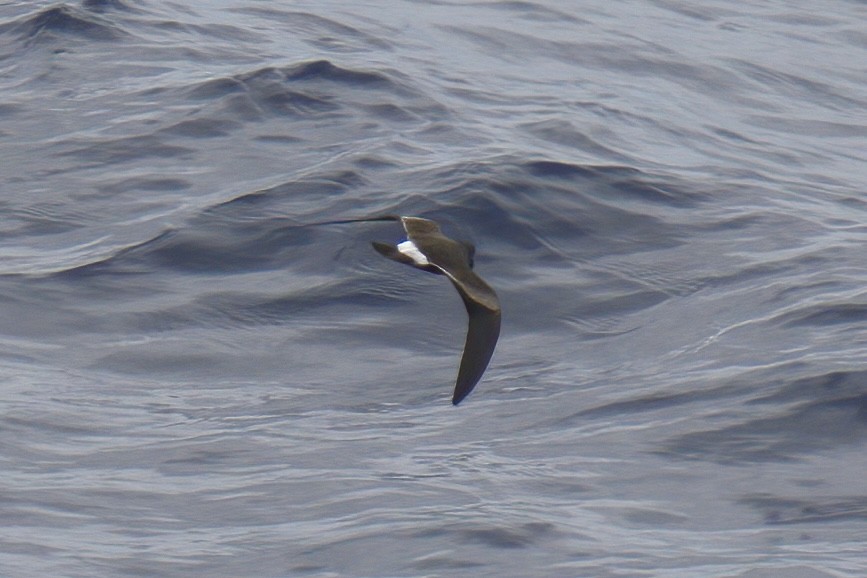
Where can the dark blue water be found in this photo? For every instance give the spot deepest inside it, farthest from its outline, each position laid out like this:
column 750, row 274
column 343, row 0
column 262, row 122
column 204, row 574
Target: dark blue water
column 200, row 379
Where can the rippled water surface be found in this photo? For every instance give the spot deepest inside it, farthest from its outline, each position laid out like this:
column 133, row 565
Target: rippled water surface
column 200, row 378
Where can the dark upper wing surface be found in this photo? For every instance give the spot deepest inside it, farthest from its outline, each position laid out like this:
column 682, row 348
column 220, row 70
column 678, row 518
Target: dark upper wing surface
column 483, row 309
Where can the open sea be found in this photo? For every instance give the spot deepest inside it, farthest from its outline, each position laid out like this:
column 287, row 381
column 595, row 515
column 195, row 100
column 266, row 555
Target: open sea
column 202, row 376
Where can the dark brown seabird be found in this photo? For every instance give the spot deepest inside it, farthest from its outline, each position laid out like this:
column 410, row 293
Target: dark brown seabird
column 428, row 249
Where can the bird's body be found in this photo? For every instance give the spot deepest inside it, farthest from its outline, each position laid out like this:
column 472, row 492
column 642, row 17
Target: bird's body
column 428, row 249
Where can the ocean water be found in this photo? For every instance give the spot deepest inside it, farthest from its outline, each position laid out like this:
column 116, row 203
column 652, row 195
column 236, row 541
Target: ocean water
column 200, row 378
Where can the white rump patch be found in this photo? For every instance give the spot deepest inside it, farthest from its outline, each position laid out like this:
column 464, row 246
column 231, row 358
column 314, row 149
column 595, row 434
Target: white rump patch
column 409, row 249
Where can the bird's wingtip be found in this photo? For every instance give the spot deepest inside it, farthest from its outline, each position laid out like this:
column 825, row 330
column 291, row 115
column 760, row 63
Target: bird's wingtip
column 461, row 394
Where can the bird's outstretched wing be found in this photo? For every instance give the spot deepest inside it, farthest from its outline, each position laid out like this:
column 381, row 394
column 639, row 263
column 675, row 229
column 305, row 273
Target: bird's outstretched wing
column 483, row 310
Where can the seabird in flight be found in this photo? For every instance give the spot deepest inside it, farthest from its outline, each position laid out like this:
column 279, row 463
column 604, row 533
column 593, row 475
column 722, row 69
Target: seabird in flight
column 428, row 249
